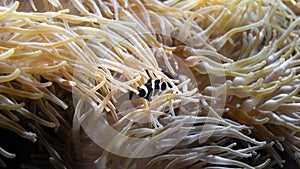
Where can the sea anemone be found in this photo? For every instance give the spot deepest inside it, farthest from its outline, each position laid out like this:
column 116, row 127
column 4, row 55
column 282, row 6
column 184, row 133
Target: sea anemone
column 70, row 72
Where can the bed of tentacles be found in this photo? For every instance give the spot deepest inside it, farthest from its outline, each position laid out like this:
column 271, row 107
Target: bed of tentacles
column 67, row 68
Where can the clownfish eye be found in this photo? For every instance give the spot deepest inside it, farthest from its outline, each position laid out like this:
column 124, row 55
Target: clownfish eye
column 142, row 92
